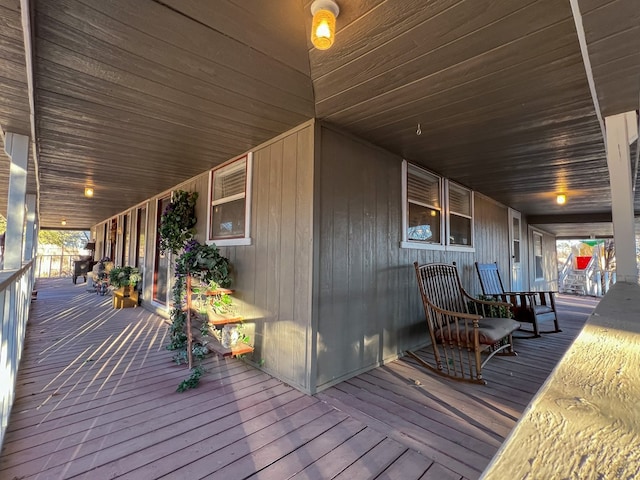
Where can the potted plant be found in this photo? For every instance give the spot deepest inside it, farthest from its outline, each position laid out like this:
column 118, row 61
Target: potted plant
column 125, row 278
column 178, row 221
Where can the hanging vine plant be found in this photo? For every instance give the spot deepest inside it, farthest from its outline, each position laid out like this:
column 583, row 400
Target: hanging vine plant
column 205, row 263
column 178, row 221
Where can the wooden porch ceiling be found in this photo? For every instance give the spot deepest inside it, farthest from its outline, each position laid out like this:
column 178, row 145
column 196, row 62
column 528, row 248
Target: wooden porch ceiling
column 134, row 97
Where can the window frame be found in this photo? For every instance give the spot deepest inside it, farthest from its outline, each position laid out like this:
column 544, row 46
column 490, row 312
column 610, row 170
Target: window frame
column 445, row 213
column 536, row 236
column 455, row 246
column 245, row 239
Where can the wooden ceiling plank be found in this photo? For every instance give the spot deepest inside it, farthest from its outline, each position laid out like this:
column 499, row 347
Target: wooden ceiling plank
column 622, row 46
column 130, row 70
column 142, row 113
column 165, row 28
column 511, row 101
column 10, row 21
column 610, row 19
column 57, row 79
column 57, row 105
column 197, row 155
column 446, row 42
column 453, row 87
column 258, row 25
column 376, row 27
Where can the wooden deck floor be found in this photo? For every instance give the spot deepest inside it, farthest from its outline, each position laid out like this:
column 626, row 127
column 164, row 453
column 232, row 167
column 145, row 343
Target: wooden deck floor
column 96, row 399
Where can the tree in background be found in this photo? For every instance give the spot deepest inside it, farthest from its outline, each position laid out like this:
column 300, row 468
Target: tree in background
column 70, row 240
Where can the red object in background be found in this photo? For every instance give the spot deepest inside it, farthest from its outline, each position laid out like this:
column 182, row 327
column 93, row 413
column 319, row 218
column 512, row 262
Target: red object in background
column 582, row 262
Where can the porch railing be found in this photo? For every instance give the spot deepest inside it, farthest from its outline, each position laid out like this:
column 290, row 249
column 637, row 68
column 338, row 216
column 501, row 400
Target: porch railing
column 55, row 266
column 16, row 287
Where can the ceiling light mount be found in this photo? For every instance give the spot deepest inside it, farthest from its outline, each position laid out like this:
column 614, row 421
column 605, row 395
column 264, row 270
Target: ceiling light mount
column 323, row 27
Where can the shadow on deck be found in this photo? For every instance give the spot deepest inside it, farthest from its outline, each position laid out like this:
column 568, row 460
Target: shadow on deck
column 96, row 399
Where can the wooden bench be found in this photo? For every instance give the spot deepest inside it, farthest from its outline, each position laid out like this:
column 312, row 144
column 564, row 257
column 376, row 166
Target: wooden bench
column 461, row 327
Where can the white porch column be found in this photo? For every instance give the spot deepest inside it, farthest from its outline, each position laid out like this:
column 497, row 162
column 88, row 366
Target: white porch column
column 31, row 235
column 17, row 147
column 622, row 129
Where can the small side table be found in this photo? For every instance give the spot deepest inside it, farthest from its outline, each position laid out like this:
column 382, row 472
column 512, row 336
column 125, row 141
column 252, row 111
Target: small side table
column 122, row 301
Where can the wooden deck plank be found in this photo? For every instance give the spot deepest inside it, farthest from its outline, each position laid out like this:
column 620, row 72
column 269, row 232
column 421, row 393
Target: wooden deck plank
column 133, row 459
column 106, row 444
column 374, row 462
column 223, row 454
column 307, row 454
column 337, row 460
column 404, row 432
column 279, row 449
column 96, row 399
column 411, row 419
column 409, row 465
column 438, row 472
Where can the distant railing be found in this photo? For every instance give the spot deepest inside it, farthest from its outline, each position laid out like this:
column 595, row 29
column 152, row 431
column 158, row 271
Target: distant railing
column 55, row 266
column 564, row 271
column 16, row 287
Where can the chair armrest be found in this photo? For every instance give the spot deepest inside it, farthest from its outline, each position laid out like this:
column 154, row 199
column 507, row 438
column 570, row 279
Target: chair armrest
column 529, row 299
column 532, row 292
column 451, row 313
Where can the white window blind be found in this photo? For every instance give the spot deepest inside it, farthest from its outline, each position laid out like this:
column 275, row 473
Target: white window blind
column 459, row 200
column 230, row 181
column 422, row 187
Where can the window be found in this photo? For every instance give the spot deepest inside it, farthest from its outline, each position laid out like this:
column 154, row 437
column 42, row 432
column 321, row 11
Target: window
column 537, row 255
column 460, row 215
column 437, row 214
column 423, row 203
column 229, row 213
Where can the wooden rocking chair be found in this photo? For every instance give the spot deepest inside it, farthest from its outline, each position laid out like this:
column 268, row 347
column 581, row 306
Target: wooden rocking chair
column 461, row 327
column 528, row 307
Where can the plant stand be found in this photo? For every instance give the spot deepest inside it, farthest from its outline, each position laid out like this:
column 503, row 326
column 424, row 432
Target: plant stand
column 125, row 300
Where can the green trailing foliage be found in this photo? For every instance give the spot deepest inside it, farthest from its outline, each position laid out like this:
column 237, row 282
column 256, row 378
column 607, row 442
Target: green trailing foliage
column 178, row 221
column 192, row 381
column 205, row 262
column 177, row 229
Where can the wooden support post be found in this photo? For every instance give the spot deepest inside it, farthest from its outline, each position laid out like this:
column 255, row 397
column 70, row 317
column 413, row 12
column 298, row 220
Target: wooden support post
column 621, row 130
column 17, row 147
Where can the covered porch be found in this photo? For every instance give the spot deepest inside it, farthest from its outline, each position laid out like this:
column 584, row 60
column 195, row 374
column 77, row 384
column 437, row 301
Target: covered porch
column 494, row 109
column 96, row 398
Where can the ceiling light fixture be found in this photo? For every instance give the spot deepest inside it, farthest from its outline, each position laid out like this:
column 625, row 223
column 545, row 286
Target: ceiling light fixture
column 561, row 199
column 88, row 192
column 63, row 222
column 323, row 27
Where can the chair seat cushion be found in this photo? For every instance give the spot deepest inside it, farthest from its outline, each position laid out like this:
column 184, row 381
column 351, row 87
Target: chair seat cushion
column 489, row 332
column 542, row 309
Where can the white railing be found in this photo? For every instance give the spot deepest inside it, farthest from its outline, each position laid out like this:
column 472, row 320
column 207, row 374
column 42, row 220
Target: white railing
column 15, row 298
column 586, row 281
column 564, row 271
column 48, row 266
